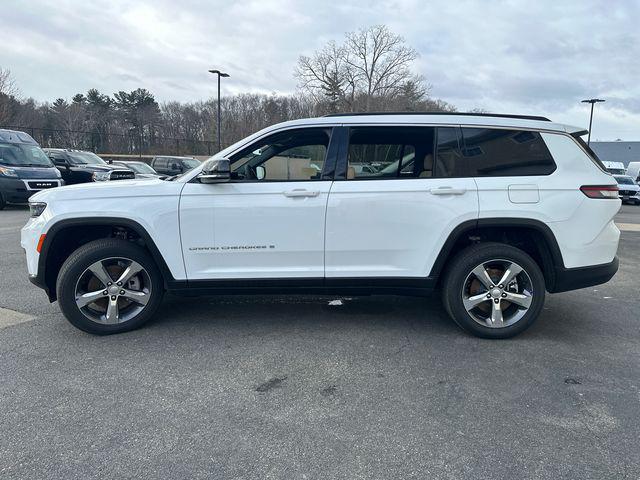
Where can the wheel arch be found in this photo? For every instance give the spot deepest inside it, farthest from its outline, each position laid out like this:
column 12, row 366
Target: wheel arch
column 532, row 236
column 65, row 236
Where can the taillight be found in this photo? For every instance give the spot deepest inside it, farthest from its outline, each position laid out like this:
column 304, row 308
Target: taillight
column 600, row 191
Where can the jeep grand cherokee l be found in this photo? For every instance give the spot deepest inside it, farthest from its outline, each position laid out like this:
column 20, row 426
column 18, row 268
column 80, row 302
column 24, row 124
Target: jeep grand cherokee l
column 494, row 210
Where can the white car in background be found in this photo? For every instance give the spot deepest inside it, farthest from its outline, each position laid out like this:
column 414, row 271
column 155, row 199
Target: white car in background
column 633, row 170
column 614, row 168
column 628, row 189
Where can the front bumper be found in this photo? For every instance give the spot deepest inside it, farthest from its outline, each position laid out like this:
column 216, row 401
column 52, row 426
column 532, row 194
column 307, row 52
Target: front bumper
column 629, row 195
column 574, row 278
column 18, row 190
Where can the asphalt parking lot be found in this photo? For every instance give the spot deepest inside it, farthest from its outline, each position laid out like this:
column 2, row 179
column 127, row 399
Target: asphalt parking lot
column 308, row 387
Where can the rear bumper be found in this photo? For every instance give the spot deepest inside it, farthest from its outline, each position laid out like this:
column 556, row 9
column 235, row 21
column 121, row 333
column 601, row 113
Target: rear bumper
column 574, row 278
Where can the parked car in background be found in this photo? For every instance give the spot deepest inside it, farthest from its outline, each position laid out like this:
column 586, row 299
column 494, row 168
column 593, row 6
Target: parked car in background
column 628, row 190
column 633, row 170
column 78, row 166
column 364, row 169
column 141, row 169
column 24, row 168
column 615, row 168
column 173, row 165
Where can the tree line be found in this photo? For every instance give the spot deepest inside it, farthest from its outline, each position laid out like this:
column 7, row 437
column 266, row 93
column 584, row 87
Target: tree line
column 371, row 70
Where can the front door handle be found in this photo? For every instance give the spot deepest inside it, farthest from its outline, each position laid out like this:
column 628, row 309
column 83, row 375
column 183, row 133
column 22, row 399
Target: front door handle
column 300, row 192
column 448, row 191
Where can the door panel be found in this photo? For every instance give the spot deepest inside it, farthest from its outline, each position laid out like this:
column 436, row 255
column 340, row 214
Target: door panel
column 393, row 228
column 253, row 230
column 392, row 222
column 268, row 222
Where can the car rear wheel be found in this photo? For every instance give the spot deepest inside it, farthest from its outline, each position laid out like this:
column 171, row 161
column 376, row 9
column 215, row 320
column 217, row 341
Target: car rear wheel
column 494, row 290
column 109, row 286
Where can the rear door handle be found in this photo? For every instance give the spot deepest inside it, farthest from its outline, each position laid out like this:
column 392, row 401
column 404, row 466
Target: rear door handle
column 448, row 191
column 299, row 192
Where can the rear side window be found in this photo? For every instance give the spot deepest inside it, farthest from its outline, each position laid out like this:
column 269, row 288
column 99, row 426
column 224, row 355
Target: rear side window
column 390, row 153
column 492, row 152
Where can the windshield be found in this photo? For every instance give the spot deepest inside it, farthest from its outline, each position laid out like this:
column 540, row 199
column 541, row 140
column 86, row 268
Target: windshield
column 190, row 163
column 624, row 180
column 23, row 155
column 85, row 158
column 140, row 168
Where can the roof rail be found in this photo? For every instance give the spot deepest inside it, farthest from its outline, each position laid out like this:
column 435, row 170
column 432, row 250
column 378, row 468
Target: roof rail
column 469, row 114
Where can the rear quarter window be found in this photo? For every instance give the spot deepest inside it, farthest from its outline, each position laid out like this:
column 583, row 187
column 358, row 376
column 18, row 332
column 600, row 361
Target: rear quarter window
column 492, row 152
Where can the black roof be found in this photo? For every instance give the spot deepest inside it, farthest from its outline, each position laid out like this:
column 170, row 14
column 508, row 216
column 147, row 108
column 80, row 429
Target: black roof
column 469, row 114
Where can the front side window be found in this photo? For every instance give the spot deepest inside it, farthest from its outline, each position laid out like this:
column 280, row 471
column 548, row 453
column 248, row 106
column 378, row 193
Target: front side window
column 390, row 153
column 292, row 155
column 499, row 152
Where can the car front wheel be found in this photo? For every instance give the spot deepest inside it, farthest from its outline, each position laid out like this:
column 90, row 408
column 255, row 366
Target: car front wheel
column 109, row 286
column 493, row 290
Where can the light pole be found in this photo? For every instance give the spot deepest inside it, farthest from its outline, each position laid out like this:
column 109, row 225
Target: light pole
column 220, row 74
column 592, row 101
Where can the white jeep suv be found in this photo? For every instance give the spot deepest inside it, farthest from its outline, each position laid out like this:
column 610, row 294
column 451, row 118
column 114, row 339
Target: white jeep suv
column 493, row 210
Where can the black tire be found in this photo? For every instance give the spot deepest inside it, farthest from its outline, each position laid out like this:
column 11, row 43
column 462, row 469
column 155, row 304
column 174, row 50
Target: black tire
column 457, row 279
column 2, row 202
column 76, row 265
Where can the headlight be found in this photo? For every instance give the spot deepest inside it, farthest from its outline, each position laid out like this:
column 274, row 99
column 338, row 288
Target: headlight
column 36, row 208
column 8, row 172
column 100, row 176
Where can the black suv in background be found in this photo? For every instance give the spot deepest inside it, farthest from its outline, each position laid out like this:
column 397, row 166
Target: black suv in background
column 173, row 165
column 24, row 168
column 77, row 166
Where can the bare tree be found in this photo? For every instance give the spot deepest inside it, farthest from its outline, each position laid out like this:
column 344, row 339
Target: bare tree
column 378, row 61
column 372, row 69
column 8, row 92
column 325, row 75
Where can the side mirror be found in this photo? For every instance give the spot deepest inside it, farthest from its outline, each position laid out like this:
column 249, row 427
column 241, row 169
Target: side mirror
column 215, row 171
column 261, row 172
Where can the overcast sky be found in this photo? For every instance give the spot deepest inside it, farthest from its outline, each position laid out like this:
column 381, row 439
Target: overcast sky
column 529, row 57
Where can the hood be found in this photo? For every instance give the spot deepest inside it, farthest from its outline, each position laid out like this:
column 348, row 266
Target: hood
column 107, row 190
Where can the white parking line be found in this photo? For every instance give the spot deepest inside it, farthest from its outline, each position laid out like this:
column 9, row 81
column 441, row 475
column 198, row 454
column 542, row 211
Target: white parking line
column 11, row 317
column 629, row 227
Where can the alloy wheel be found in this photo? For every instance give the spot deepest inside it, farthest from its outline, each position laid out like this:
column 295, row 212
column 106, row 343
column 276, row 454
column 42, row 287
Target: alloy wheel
column 113, row 290
column 497, row 293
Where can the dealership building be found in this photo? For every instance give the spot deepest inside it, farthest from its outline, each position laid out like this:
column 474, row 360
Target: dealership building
column 618, row 151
